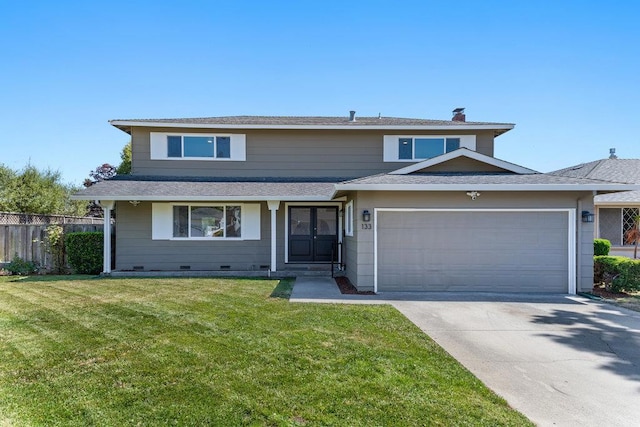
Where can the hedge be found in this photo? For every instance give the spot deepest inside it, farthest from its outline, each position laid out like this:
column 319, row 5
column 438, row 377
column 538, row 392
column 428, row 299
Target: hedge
column 601, row 247
column 618, row 273
column 84, row 251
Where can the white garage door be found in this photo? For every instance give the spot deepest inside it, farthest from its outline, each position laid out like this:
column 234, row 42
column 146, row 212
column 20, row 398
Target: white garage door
column 480, row 251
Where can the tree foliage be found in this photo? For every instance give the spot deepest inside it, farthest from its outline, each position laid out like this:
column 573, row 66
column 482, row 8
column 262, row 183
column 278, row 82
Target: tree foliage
column 101, row 173
column 35, row 191
column 124, row 168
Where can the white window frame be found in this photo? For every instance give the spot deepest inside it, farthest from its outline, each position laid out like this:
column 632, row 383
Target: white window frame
column 348, row 219
column 223, row 226
column 391, row 145
column 162, row 221
column 159, row 146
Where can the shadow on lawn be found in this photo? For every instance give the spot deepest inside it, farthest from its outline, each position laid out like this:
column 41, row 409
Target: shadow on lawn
column 51, row 278
column 283, row 289
column 609, row 332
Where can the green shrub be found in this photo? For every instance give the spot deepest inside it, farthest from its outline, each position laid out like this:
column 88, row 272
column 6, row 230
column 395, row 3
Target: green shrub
column 601, row 247
column 21, row 267
column 84, row 251
column 617, row 273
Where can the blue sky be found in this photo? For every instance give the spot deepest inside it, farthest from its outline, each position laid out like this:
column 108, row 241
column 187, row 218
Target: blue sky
column 567, row 73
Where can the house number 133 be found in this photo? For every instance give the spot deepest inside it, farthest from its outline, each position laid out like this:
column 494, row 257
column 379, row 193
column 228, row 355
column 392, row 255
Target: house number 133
column 366, row 226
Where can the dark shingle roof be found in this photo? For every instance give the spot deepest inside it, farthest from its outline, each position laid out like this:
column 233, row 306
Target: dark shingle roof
column 472, row 179
column 624, row 197
column 311, row 121
column 615, row 170
column 204, row 189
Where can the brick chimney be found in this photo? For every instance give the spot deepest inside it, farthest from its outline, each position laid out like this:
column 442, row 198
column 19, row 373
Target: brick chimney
column 458, row 115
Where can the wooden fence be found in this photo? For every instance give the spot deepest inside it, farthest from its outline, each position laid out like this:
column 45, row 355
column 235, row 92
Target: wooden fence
column 24, row 235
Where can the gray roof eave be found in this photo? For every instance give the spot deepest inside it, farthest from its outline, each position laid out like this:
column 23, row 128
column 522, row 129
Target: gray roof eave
column 125, row 126
column 487, row 187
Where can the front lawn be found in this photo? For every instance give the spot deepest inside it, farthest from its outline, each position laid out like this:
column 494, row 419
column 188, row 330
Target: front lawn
column 85, row 351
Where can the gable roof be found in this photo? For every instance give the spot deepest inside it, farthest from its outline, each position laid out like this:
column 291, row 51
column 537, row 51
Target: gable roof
column 615, row 170
column 619, row 170
column 512, row 177
column 311, row 122
column 479, row 181
column 463, row 152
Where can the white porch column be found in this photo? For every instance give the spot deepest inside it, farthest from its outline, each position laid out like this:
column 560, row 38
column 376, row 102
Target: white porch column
column 107, row 206
column 274, row 205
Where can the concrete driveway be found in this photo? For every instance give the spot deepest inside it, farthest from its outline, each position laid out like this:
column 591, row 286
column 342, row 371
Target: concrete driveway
column 560, row 360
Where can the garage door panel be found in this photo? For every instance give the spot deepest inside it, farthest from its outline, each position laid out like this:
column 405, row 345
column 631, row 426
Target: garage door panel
column 473, row 251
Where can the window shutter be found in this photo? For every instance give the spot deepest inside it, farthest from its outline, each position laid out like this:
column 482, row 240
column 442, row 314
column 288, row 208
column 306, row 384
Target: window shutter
column 161, row 221
column 251, row 221
column 239, row 147
column 158, row 145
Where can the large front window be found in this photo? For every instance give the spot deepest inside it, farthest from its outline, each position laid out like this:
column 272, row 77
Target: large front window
column 222, row 221
column 425, row 148
column 218, row 147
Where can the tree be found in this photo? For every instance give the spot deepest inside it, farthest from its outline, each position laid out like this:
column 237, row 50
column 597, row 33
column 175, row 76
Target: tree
column 632, row 236
column 124, row 168
column 37, row 192
column 101, row 173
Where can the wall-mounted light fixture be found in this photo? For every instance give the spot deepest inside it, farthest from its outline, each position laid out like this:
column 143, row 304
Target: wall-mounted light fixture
column 366, row 216
column 588, row 216
column 134, row 202
column 473, row 194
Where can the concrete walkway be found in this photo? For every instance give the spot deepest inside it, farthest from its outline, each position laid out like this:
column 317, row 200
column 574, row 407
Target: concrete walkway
column 560, row 360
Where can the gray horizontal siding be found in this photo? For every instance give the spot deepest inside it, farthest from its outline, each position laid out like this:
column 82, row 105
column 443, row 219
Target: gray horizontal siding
column 134, row 246
column 287, row 153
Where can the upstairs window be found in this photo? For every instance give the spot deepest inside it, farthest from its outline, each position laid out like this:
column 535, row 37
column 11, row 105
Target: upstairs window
column 217, row 147
column 198, row 146
column 425, row 148
column 415, row 148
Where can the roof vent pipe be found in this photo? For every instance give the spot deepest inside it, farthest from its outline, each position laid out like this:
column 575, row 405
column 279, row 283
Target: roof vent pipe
column 612, row 153
column 352, row 116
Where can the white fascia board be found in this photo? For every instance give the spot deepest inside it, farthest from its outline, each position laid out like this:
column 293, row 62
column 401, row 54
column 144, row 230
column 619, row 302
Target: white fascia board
column 464, row 152
column 319, row 127
column 480, row 187
column 179, row 198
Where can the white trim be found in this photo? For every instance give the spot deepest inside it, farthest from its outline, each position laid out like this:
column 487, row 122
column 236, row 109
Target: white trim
column 497, row 126
column 273, row 208
column 183, row 198
column 348, row 219
column 485, row 187
column 572, row 239
column 464, row 152
column 286, row 222
column 158, row 147
column 162, row 222
column 571, row 235
column 107, row 206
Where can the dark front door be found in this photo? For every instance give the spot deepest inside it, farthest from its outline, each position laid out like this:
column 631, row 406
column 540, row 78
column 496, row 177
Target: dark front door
column 313, row 233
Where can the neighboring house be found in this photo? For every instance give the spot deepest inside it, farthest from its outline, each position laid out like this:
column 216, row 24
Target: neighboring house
column 615, row 212
column 400, row 204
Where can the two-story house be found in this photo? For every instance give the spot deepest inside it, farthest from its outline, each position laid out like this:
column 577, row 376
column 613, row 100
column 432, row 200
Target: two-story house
column 401, row 204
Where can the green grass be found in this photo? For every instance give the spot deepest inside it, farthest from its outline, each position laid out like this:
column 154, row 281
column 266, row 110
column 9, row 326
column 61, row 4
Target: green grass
column 81, row 351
